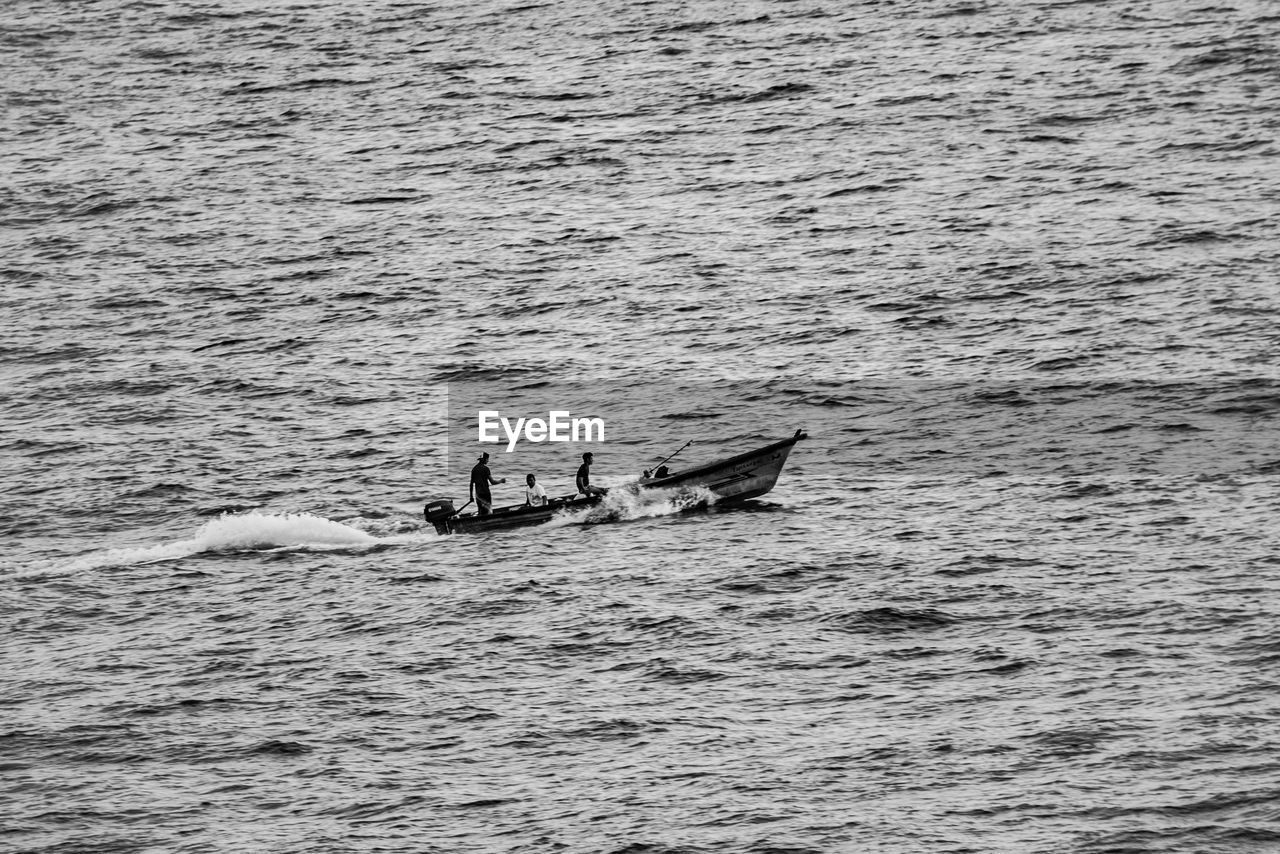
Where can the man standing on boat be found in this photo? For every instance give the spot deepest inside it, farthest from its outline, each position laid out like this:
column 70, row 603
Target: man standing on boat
column 583, row 480
column 481, row 477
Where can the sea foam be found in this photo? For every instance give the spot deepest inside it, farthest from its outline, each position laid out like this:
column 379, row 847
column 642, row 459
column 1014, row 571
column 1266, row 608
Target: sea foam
column 622, row 504
column 264, row 531
column 227, row 533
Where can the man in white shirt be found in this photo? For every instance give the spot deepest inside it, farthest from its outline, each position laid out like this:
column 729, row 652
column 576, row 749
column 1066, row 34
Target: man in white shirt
column 534, row 494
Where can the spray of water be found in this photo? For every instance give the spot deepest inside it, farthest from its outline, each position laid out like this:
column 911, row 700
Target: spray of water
column 265, row 531
column 624, row 504
column 229, row 533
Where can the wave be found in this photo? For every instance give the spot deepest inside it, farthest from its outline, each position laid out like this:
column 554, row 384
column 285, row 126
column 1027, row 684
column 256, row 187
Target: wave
column 627, row 503
column 229, row 533
column 260, row 531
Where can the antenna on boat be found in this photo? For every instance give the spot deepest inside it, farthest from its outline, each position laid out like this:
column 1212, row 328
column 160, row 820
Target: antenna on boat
column 668, row 459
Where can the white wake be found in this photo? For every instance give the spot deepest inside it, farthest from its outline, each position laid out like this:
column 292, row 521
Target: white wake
column 229, row 533
column 623, row 503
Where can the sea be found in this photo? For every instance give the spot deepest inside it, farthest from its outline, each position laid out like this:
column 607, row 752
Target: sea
column 1013, row 268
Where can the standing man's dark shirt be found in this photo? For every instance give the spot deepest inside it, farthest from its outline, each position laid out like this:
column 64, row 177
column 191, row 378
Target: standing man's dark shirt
column 481, row 477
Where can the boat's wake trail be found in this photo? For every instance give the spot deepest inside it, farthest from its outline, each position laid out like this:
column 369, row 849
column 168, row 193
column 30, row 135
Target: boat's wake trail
column 228, row 533
column 265, row 531
column 623, row 503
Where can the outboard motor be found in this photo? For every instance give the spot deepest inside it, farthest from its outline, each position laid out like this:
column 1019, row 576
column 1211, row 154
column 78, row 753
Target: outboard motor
column 438, row 513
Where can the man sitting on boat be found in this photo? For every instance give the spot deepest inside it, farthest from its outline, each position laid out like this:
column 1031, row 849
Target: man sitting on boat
column 481, row 477
column 583, row 481
column 534, row 494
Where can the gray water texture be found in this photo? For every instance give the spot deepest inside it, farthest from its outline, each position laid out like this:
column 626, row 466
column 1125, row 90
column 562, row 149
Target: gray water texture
column 1012, row 266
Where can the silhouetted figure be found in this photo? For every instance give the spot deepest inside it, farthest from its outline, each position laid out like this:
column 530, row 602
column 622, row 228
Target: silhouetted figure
column 481, row 477
column 583, row 481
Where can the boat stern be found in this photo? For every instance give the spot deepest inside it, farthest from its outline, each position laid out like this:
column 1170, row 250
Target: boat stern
column 438, row 513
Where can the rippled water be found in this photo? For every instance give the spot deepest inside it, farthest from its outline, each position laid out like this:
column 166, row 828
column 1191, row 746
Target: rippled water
column 1012, row 266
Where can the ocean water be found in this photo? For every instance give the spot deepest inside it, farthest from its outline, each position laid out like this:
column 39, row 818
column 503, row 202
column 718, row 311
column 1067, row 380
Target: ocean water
column 1013, row 266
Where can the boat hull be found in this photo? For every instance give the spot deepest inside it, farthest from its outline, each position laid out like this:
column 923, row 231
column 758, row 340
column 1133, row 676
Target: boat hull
column 518, row 516
column 739, row 478
column 731, row 480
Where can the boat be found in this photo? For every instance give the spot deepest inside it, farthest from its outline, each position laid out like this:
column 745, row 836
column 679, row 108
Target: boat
column 733, row 479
